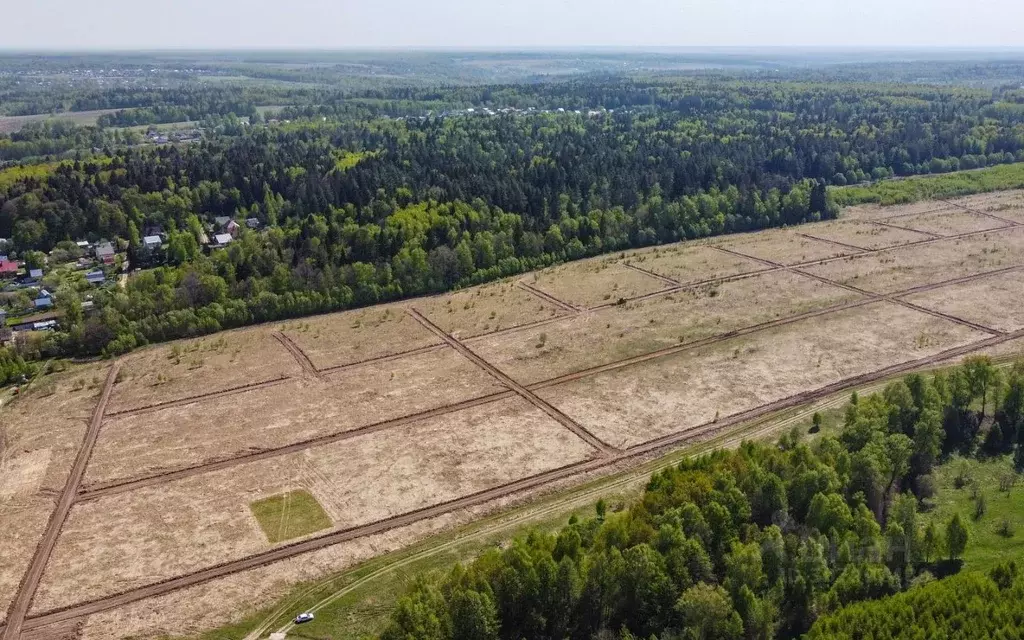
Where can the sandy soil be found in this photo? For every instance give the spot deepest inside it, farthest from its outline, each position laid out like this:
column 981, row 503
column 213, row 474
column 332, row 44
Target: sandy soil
column 636, row 328
column 191, row 367
column 590, row 283
column 949, row 223
column 636, row 404
column 40, row 432
column 487, row 308
column 352, row 336
column 864, row 234
column 902, row 268
column 282, row 414
column 785, row 246
column 158, row 532
column 993, row 302
column 691, row 262
column 876, row 212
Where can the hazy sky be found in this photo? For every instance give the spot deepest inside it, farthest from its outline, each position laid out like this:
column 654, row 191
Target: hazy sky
column 218, row 24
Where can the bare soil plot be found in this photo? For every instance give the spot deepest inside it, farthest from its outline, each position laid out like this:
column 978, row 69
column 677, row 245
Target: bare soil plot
column 636, row 404
column 641, row 327
column 40, row 432
column 590, row 283
column 949, row 223
column 204, row 365
column 994, row 301
column 689, row 263
column 785, row 246
column 903, row 268
column 353, row 336
column 297, row 410
column 878, row 212
column 143, row 536
column 863, row 234
column 487, row 308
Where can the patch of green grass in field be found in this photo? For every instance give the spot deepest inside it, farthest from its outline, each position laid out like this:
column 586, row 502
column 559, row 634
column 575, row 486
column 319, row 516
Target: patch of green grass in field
column 987, row 546
column 946, row 185
column 290, row 515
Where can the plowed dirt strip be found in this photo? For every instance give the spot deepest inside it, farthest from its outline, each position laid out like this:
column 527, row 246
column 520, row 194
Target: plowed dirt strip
column 526, row 484
column 30, row 583
column 832, row 242
column 882, row 223
column 547, row 297
column 300, row 356
column 522, row 391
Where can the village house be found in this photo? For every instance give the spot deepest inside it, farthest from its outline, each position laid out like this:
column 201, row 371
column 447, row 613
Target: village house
column 105, row 253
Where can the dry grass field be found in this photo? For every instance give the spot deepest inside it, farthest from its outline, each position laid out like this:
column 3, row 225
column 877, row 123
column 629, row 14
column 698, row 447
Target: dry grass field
column 396, row 425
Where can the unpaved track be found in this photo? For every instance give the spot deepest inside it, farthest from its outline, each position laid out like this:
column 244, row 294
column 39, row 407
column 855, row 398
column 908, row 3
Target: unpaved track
column 567, row 422
column 92, row 492
column 386, row 357
column 836, row 243
column 703, row 432
column 658, row 276
column 149, row 408
column 543, row 295
column 300, row 356
column 987, row 214
column 889, row 225
column 30, row 581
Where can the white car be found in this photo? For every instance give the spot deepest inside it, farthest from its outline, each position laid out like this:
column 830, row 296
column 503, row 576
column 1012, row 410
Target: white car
column 304, row 617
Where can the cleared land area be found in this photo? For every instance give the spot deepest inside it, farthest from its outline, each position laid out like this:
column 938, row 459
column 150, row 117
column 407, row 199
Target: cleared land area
column 195, row 367
column 294, row 411
column 691, row 263
column 492, row 307
column 786, row 246
column 994, row 301
column 878, row 212
column 635, row 328
column 40, row 433
column 342, row 339
column 636, row 404
column 1004, row 204
column 863, row 235
column 10, row 124
column 903, row 268
column 132, row 539
column 591, row 283
column 395, row 429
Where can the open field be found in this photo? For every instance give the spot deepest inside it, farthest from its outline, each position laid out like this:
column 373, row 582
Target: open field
column 288, row 515
column 293, row 411
column 10, row 124
column 131, row 539
column 193, row 367
column 636, row 404
column 403, row 419
column 591, row 283
column 341, row 339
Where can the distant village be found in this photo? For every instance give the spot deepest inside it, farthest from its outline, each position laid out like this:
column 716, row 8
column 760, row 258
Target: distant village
column 28, row 283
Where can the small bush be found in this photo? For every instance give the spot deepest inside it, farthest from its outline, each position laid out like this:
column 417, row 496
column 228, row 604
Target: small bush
column 980, row 506
column 1005, row 528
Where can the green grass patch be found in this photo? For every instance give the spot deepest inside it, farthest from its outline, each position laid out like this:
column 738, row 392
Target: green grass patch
column 345, row 160
column 290, row 515
column 989, row 545
column 946, row 185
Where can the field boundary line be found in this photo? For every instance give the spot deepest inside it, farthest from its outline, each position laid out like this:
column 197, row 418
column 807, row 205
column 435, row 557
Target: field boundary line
column 544, row 295
column 889, row 225
column 658, row 276
column 832, row 242
column 300, row 356
column 603, row 447
column 105, row 603
column 1010, row 223
column 388, row 356
column 29, row 584
column 149, row 408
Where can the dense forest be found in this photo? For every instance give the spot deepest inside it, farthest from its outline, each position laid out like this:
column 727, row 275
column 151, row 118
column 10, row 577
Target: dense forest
column 763, row 542
column 368, row 195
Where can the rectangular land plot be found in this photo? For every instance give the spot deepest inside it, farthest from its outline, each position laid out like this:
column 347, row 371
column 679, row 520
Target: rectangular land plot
column 487, row 308
column 297, row 410
column 189, row 368
column 864, row 234
column 639, row 403
column 1008, row 205
column 637, row 328
column 691, row 263
column 994, row 301
column 143, row 536
column 293, row 514
column 900, row 269
column 949, row 223
column 41, row 431
column 591, row 283
column 785, row 246
column 340, row 339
